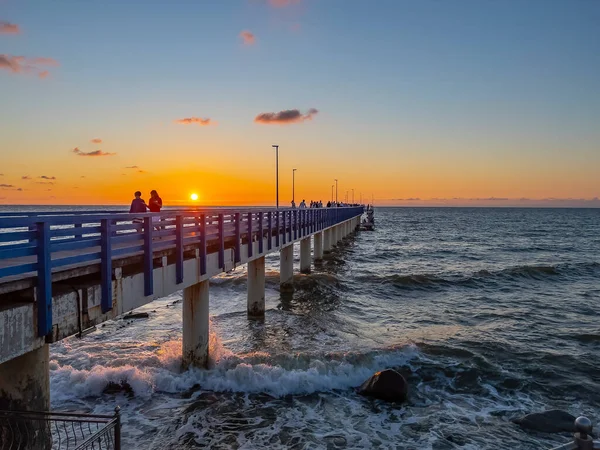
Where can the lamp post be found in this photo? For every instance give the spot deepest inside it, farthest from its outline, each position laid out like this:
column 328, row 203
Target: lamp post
column 353, row 196
column 294, row 186
column 332, row 193
column 276, row 175
column 336, row 192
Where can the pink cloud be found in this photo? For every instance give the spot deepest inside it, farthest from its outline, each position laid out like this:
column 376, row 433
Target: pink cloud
column 94, row 153
column 285, row 117
column 282, row 3
column 22, row 65
column 195, row 120
column 9, row 28
column 96, row 141
column 248, row 37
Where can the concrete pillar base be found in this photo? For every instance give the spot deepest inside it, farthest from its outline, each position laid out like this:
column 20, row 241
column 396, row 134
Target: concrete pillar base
column 286, row 269
column 327, row 240
column 196, row 325
column 25, row 382
column 318, row 246
column 305, row 255
column 256, row 288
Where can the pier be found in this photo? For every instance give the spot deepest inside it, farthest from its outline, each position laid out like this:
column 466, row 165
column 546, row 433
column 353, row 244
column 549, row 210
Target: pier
column 61, row 274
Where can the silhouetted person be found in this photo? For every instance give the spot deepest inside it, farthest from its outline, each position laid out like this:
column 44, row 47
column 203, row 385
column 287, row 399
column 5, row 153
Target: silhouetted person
column 138, row 205
column 154, row 205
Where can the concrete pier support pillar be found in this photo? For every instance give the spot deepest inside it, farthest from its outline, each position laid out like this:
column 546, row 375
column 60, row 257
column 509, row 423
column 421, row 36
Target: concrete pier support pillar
column 305, row 255
column 195, row 325
column 318, row 246
column 286, row 268
column 327, row 240
column 256, row 288
column 25, row 382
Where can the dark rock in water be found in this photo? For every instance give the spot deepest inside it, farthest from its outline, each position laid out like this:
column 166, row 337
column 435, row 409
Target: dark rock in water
column 115, row 388
column 190, row 391
column 386, row 385
column 553, row 421
column 142, row 315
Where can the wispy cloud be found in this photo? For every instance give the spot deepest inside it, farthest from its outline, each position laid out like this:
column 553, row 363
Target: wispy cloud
column 247, row 37
column 9, row 28
column 132, row 167
column 46, row 177
column 195, row 120
column 285, row 117
column 96, row 141
column 6, row 186
column 22, row 65
column 25, row 177
column 44, row 182
column 282, row 3
column 93, row 153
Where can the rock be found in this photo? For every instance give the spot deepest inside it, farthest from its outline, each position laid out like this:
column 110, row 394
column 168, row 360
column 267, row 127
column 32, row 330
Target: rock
column 114, row 388
column 142, row 315
column 386, row 385
column 552, row 421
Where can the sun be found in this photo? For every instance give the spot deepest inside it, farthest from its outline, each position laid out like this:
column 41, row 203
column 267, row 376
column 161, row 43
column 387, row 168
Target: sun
column 194, row 196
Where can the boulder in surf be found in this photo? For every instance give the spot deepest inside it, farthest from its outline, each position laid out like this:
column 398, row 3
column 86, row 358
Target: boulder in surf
column 552, row 421
column 386, row 385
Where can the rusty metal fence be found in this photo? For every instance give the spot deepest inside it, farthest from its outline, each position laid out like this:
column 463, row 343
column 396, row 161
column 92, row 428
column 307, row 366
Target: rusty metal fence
column 21, row 430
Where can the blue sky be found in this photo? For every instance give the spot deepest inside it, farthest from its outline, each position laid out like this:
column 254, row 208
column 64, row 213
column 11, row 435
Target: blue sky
column 470, row 94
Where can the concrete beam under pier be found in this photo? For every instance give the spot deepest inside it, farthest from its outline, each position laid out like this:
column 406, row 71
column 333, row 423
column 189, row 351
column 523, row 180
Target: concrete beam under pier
column 318, row 246
column 286, row 269
column 256, row 288
column 196, row 325
column 305, row 255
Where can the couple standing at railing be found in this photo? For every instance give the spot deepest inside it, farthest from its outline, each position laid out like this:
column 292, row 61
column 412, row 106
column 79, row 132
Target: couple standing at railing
column 138, row 205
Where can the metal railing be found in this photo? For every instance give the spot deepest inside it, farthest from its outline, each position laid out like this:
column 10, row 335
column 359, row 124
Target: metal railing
column 30, row 430
column 581, row 438
column 37, row 246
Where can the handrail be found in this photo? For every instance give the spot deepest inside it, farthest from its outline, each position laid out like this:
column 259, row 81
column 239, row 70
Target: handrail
column 37, row 246
column 581, row 438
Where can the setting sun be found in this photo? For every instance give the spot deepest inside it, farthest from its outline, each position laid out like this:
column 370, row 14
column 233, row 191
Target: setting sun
column 194, row 197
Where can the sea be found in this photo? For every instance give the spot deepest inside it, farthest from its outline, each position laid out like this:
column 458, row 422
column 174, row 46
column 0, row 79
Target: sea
column 489, row 313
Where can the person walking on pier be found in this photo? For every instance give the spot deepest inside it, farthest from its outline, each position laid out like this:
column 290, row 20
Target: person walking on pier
column 302, row 204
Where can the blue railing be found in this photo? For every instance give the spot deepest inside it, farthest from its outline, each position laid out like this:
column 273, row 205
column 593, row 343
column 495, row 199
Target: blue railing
column 35, row 246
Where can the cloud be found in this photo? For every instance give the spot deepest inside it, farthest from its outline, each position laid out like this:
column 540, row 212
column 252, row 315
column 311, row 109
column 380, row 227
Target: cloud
column 285, row 117
column 196, row 120
column 5, row 186
column 141, row 171
column 22, row 65
column 248, row 38
column 132, row 167
column 9, row 28
column 45, row 177
column 19, row 189
column 94, row 153
column 44, row 182
column 282, row 3
column 96, row 141
column 25, row 177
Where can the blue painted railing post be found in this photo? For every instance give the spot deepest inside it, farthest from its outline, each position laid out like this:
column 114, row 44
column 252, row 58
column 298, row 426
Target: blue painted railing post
column 295, row 212
column 105, row 265
column 270, row 226
column 178, row 249
column 148, row 258
column 278, row 229
column 238, row 239
column 291, row 233
column 284, row 226
column 260, row 233
column 44, row 281
column 250, row 243
column 202, row 244
column 221, row 242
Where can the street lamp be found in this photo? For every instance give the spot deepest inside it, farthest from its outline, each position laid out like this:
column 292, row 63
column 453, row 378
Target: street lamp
column 336, row 192
column 276, row 175
column 293, row 185
column 353, row 196
column 332, row 193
